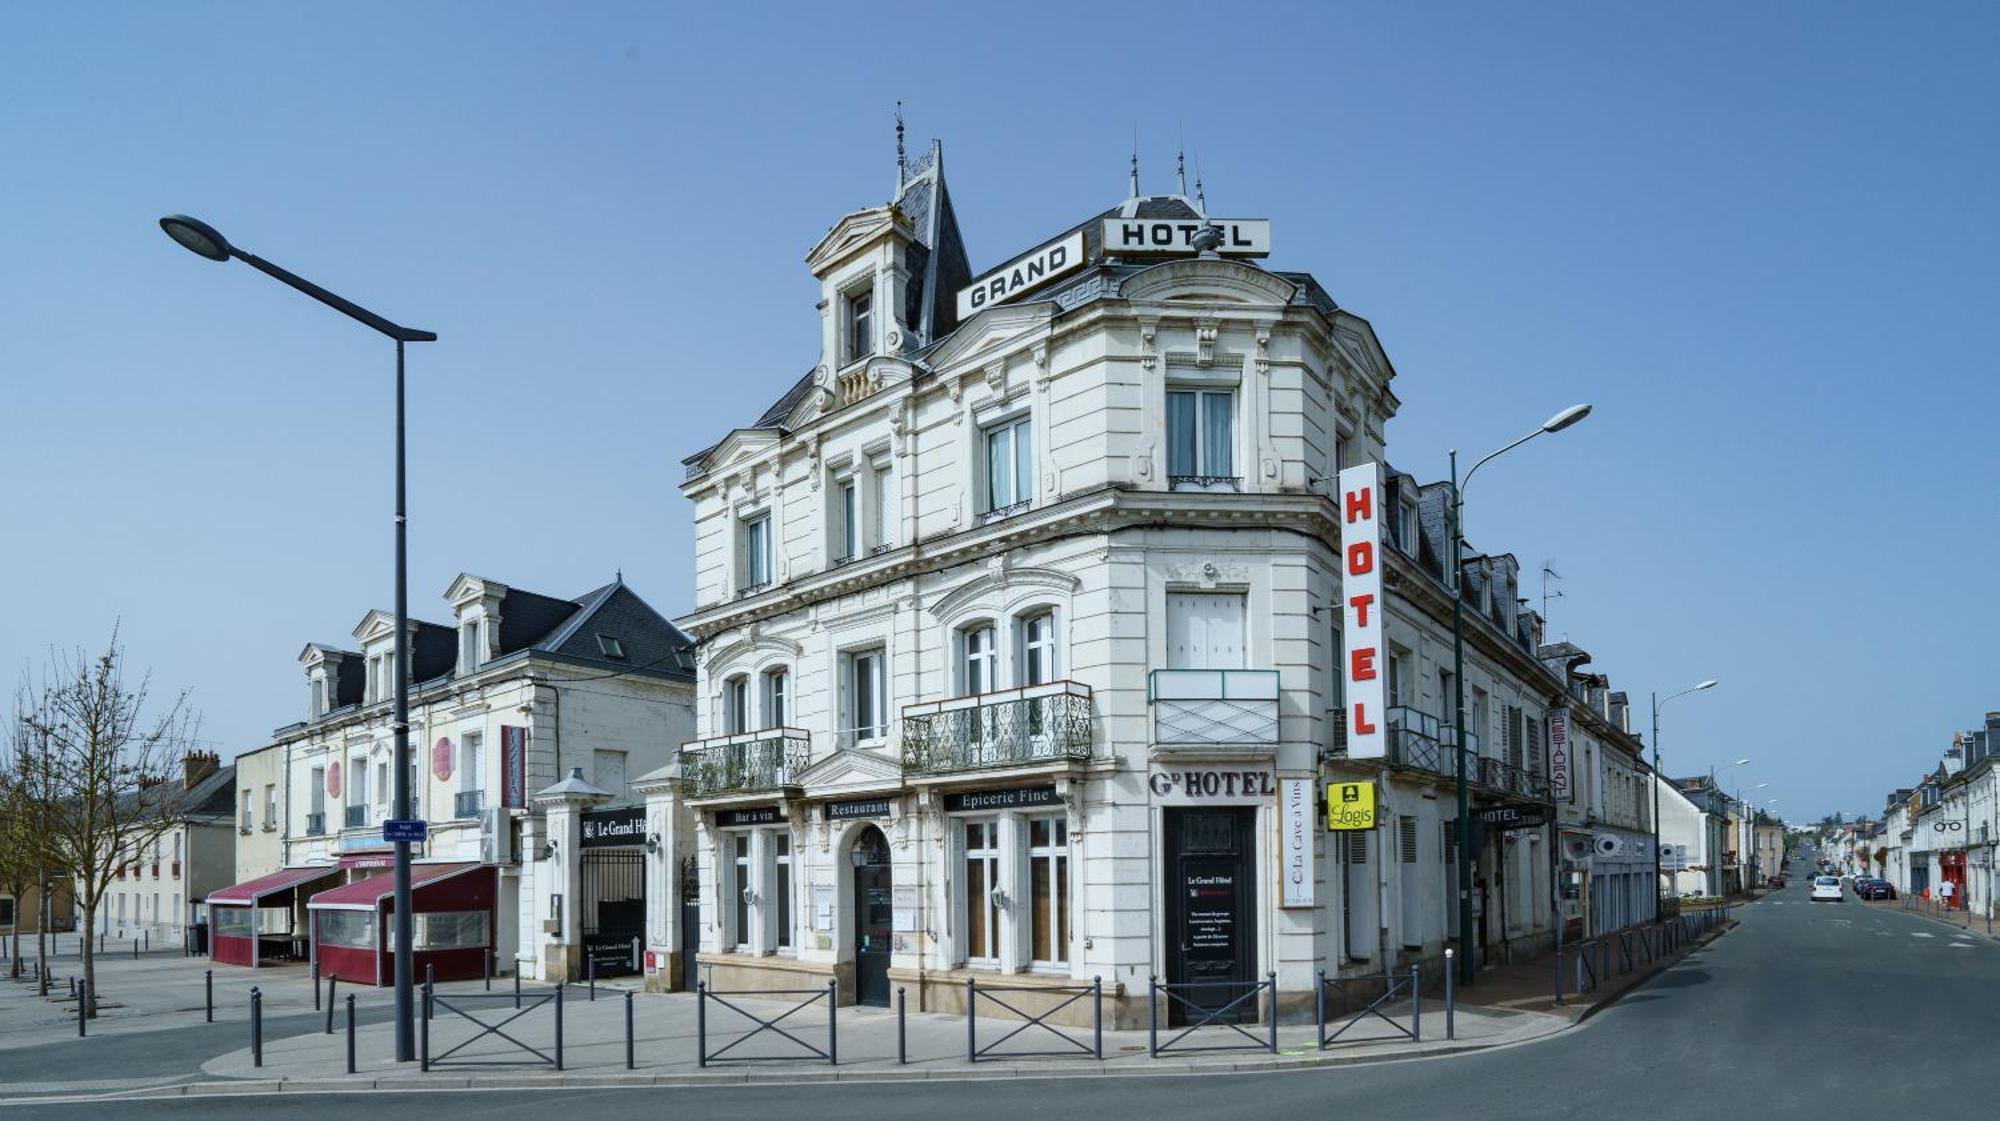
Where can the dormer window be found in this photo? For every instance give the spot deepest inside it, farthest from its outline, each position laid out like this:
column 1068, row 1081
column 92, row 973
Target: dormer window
column 468, row 646
column 320, row 707
column 858, row 309
column 610, row 647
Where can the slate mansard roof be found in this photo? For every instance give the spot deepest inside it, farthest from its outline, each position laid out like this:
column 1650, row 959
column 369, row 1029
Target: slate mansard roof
column 532, row 623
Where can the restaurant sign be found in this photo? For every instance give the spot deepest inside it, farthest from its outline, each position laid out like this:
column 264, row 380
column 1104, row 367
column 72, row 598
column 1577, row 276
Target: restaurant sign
column 625, row 825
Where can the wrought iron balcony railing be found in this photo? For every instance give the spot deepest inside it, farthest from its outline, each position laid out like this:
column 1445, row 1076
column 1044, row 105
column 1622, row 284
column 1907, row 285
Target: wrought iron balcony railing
column 745, row 763
column 355, row 816
column 468, row 803
column 316, row 824
column 1423, row 742
column 1214, row 707
column 1032, row 724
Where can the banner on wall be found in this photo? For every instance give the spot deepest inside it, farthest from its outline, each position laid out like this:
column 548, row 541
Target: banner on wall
column 513, row 767
column 1360, row 510
column 1559, row 785
column 1295, row 821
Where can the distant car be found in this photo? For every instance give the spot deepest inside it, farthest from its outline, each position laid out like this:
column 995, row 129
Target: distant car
column 1826, row 889
column 1875, row 889
column 1777, row 881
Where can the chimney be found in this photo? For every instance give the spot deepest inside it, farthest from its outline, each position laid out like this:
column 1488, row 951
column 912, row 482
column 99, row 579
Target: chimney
column 198, row 765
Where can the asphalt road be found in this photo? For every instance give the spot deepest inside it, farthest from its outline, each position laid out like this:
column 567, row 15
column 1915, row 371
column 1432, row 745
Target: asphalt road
column 1806, row 1010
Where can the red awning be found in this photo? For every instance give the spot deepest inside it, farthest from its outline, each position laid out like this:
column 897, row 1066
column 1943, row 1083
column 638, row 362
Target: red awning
column 250, row 891
column 368, row 894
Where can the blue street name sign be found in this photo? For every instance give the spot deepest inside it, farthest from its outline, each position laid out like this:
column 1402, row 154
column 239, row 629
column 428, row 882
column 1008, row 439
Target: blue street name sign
column 411, row 831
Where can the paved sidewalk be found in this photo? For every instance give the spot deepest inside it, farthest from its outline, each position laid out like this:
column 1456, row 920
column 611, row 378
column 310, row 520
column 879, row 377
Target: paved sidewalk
column 1929, row 909
column 665, row 1046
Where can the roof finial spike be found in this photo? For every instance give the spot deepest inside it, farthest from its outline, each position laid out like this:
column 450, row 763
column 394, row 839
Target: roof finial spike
column 1200, row 201
column 902, row 160
column 1180, row 171
column 1135, row 161
column 621, row 573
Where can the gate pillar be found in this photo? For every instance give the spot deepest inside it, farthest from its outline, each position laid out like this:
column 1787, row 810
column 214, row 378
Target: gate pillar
column 669, row 841
column 558, row 869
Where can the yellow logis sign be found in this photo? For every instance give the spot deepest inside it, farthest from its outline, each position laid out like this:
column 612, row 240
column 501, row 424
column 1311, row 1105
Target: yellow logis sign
column 1350, row 805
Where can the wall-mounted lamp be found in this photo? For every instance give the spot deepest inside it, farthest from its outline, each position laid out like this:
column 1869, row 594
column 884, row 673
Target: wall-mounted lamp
column 549, row 850
column 653, row 843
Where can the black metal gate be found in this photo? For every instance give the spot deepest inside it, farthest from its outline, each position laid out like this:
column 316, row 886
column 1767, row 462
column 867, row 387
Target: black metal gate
column 614, row 909
column 690, row 923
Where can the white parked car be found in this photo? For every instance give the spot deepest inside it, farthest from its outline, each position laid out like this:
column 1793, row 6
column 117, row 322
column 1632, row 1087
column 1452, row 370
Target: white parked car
column 1826, row 889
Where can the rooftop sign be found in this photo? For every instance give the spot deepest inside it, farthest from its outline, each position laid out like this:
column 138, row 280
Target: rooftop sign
column 1030, row 270
column 1139, row 237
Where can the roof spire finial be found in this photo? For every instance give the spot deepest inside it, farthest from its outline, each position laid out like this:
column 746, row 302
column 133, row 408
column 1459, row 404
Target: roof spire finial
column 902, row 160
column 620, row 570
column 1135, row 161
column 1200, row 200
column 1180, row 171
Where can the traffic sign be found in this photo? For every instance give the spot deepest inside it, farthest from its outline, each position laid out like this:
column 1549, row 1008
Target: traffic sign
column 412, row 831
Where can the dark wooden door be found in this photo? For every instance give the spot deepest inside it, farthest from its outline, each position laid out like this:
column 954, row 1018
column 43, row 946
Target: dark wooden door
column 1211, row 908
column 874, row 909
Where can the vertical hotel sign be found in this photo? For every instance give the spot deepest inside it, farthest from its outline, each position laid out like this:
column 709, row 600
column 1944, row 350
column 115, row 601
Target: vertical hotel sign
column 1360, row 610
column 513, row 767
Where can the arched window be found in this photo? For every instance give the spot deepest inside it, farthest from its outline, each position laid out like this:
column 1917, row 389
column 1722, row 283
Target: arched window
column 736, row 705
column 1037, row 631
column 777, row 697
column 977, row 659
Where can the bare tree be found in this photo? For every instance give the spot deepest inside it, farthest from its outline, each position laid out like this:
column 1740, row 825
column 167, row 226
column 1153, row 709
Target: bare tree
column 105, row 765
column 20, row 867
column 25, row 792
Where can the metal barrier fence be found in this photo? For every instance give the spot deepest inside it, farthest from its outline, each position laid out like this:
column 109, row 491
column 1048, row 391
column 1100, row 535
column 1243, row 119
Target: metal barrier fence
column 1591, row 962
column 502, row 1011
column 1224, row 1015
column 1376, row 994
column 704, row 995
column 1072, row 1046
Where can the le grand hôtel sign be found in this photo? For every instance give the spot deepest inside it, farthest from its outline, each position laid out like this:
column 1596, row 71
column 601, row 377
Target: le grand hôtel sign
column 1123, row 237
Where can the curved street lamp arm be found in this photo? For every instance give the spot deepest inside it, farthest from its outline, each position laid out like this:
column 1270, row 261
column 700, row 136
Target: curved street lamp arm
column 338, row 303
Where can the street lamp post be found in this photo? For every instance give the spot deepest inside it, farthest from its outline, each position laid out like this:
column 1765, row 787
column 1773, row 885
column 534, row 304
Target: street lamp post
column 201, row 238
column 1720, row 890
column 1657, row 702
column 1456, row 513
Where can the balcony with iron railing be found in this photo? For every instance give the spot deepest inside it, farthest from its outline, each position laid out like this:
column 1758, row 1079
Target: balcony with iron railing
column 1214, row 707
column 468, row 803
column 354, row 817
column 316, row 824
column 1422, row 742
column 745, row 763
column 1046, row 723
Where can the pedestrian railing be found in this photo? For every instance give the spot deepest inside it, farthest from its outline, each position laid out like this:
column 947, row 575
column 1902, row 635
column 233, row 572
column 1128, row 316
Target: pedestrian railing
column 1210, row 1004
column 1354, row 999
column 1072, row 1044
column 800, row 1048
column 495, row 1016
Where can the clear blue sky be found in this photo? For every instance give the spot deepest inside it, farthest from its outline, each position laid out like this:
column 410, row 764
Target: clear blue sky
column 1761, row 243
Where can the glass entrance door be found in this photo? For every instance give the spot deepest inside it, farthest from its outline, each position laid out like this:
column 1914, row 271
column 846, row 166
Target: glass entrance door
column 1211, row 908
column 873, row 918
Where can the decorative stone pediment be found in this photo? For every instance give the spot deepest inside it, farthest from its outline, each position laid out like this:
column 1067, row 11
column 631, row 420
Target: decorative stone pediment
column 988, row 330
column 1004, row 580
column 851, row 770
column 467, row 589
column 740, row 446
column 377, row 626
column 751, row 649
column 854, row 233
column 1217, row 281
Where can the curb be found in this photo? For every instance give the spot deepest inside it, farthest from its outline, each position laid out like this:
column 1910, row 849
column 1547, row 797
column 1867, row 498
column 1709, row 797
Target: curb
column 362, row 1084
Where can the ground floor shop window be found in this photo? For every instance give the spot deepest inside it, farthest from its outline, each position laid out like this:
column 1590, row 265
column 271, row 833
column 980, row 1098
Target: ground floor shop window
column 740, row 890
column 755, row 870
column 355, row 929
column 982, row 876
column 1048, row 862
column 782, row 889
column 448, row 930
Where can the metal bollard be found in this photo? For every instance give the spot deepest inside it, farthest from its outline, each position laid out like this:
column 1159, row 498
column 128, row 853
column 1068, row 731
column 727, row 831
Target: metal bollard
column 72, row 988
column 315, row 978
column 135, row 949
column 256, row 1027
column 332, row 987
column 590, row 967
column 208, row 997
column 1272, row 979
column 1450, row 973
column 1416, row 1004
column 1319, row 1005
column 629, row 1064
column 489, row 969
column 559, row 1002
column 832, row 1023
column 350, row 1033
column 517, row 984
column 82, row 1011
column 1097, row 1015
column 430, row 980
column 146, row 940
column 701, row 1023
column 902, row 1037
column 971, row 1026
column 424, row 1028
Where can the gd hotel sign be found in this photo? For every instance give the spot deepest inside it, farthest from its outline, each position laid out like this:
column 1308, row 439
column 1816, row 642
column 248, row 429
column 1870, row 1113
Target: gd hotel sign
column 1360, row 609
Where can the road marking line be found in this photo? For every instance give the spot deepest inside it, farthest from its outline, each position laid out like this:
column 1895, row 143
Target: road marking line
column 1922, row 934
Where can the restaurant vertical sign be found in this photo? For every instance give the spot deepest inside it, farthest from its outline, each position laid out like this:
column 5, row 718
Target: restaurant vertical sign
column 513, row 767
column 1360, row 502
column 1560, row 789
